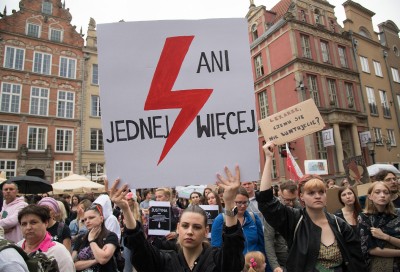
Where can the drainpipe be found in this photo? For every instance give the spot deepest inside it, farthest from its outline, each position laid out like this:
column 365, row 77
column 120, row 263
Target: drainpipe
column 86, row 57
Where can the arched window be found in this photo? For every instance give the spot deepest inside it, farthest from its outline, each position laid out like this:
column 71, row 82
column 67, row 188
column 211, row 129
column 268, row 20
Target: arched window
column 364, row 32
column 254, row 32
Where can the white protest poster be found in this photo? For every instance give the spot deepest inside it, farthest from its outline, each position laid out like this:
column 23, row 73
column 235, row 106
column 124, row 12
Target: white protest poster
column 327, row 137
column 365, row 137
column 159, row 218
column 177, row 101
column 292, row 123
column 212, row 212
column 317, row 167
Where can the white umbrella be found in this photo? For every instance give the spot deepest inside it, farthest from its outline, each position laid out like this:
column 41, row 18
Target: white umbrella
column 185, row 192
column 76, row 184
column 375, row 168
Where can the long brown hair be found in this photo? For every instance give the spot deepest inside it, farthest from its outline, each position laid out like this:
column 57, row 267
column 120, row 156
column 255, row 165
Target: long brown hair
column 370, row 206
column 357, row 206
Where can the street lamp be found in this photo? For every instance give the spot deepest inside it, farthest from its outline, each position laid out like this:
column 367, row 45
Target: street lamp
column 371, row 148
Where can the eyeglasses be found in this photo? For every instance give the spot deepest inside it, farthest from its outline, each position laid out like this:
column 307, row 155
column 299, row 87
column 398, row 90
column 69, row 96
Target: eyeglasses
column 390, row 179
column 242, row 203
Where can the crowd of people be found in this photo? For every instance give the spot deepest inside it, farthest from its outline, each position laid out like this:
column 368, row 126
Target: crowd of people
column 276, row 228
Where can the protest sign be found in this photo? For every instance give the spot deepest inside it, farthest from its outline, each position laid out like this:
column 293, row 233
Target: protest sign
column 356, row 170
column 292, row 123
column 327, row 137
column 212, row 212
column 317, row 167
column 365, row 137
column 159, row 218
column 177, row 101
column 332, row 200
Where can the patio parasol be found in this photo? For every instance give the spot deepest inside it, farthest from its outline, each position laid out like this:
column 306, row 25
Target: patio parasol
column 76, row 184
column 375, row 168
column 30, row 184
column 184, row 192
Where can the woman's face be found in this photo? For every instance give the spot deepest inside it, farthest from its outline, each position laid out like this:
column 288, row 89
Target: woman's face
column 192, row 230
column 92, row 219
column 314, row 198
column 160, row 196
column 195, row 198
column 241, row 203
column 347, row 197
column 33, row 228
column 380, row 195
column 211, row 199
column 75, row 201
column 207, row 191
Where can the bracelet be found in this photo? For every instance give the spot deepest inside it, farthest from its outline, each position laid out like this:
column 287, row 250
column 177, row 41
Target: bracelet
column 92, row 241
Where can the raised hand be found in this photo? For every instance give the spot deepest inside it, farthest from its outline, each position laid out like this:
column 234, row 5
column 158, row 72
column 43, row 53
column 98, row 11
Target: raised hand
column 230, row 184
column 118, row 195
column 269, row 148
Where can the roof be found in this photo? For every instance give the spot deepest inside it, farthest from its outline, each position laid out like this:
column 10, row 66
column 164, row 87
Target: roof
column 281, row 8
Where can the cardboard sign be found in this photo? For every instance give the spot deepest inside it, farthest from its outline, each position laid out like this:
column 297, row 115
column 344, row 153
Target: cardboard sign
column 212, row 212
column 362, row 190
column 176, row 101
column 356, row 170
column 332, row 200
column 159, row 218
column 317, row 167
column 292, row 123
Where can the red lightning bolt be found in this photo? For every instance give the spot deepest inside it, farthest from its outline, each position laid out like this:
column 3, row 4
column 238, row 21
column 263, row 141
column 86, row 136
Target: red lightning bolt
column 161, row 96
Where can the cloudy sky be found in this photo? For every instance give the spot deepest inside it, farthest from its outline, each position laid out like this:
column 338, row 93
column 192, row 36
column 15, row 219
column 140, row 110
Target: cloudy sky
column 105, row 11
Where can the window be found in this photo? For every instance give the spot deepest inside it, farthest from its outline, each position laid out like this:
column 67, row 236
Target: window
column 318, row 17
column 9, row 167
column 390, row 133
column 378, row 136
column 96, row 139
column 364, row 64
column 254, row 32
column 62, row 169
column 64, row 140
column 395, row 74
column 14, row 58
column 325, row 51
column 322, row 154
column 10, row 97
column 332, row 92
column 395, row 50
column 305, row 46
column 56, row 35
column 65, row 104
column 349, row 94
column 371, row 101
column 258, row 64
column 274, row 173
column 385, row 103
column 263, row 104
column 8, row 136
column 42, row 63
column 313, row 87
column 67, row 67
column 96, row 169
column 33, row 30
column 39, row 101
column 47, row 7
column 95, row 110
column 377, row 68
column 95, row 74
column 37, row 138
column 343, row 57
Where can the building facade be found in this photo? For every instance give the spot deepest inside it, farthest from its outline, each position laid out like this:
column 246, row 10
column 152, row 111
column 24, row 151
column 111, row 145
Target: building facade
column 300, row 52
column 41, row 82
column 378, row 66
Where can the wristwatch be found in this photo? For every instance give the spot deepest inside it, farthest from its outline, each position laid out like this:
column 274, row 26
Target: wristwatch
column 232, row 212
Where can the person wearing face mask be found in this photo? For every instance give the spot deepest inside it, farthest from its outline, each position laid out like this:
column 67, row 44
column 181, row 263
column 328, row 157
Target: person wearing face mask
column 317, row 240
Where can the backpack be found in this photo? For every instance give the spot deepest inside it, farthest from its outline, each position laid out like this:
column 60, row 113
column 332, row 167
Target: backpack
column 36, row 261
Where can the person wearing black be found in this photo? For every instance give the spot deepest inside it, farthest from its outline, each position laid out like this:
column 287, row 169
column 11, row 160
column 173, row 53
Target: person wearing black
column 195, row 254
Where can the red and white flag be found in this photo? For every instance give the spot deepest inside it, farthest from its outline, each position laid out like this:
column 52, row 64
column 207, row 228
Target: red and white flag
column 292, row 166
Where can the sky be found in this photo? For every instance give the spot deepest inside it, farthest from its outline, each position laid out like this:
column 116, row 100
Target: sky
column 105, row 11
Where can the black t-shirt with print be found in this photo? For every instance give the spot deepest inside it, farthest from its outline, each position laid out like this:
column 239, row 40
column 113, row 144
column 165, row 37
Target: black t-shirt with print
column 111, row 238
column 64, row 230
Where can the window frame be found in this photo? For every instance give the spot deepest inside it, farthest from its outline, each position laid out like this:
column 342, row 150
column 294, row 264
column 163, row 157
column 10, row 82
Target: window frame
column 12, row 97
column 7, row 169
column 11, row 61
column 8, row 137
column 263, row 104
column 313, row 88
column 95, row 74
column 41, row 63
column 322, row 152
column 364, row 65
column 392, row 137
column 98, row 145
column 305, row 46
column 385, row 104
column 51, row 36
column 68, row 69
column 373, row 106
column 258, row 66
column 324, row 45
column 66, row 144
column 62, row 170
column 68, row 110
column 40, row 144
column 377, row 68
column 343, row 56
column 349, row 94
column 395, row 74
column 95, row 106
column 378, row 136
column 29, row 30
column 332, row 92
column 45, row 9
column 42, row 101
